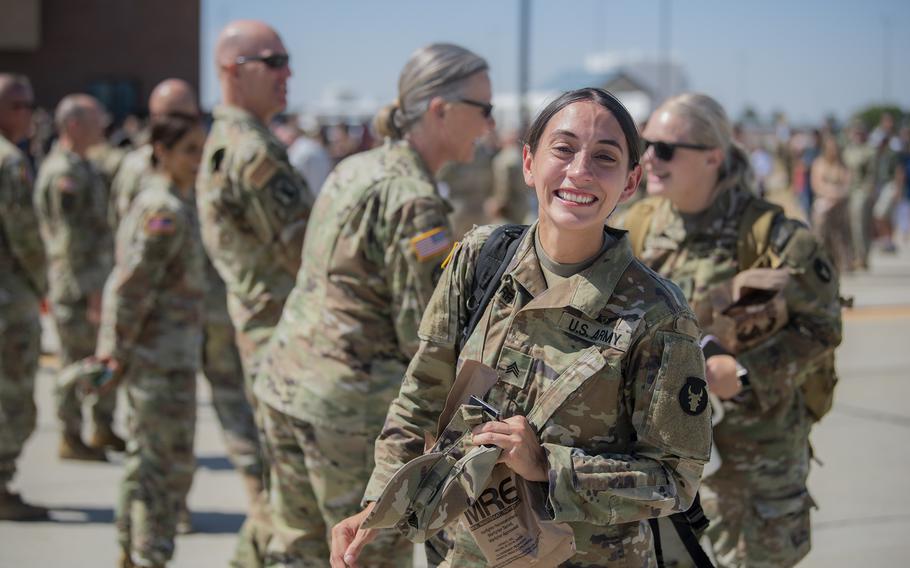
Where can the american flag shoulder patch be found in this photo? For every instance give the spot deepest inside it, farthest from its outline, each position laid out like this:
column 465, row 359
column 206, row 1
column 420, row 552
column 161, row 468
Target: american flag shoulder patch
column 431, row 243
column 160, row 224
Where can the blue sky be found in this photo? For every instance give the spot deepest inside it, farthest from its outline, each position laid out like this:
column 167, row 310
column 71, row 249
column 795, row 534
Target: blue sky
column 806, row 57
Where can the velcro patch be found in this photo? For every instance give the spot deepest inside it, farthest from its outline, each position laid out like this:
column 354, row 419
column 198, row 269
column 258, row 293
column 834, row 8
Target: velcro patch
column 261, row 171
column 612, row 335
column 431, row 243
column 160, row 224
column 284, row 191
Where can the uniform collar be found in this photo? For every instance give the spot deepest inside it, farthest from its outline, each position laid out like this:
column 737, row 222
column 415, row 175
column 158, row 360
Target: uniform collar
column 404, row 150
column 589, row 291
column 236, row 114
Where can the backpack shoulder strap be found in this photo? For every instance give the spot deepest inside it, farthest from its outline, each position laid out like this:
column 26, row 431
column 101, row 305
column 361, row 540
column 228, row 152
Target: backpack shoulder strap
column 494, row 258
column 637, row 221
column 755, row 230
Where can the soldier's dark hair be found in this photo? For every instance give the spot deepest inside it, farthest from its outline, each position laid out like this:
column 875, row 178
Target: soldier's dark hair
column 168, row 129
column 435, row 70
column 589, row 94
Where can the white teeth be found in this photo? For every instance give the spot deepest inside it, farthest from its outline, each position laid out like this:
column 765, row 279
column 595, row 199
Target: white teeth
column 574, row 197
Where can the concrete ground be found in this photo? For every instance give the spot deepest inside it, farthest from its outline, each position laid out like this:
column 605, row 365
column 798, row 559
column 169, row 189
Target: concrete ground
column 863, row 516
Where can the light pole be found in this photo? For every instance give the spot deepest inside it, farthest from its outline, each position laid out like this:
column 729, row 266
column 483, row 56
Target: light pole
column 524, row 56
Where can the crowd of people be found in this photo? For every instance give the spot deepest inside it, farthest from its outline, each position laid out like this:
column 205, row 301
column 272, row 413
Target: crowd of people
column 327, row 283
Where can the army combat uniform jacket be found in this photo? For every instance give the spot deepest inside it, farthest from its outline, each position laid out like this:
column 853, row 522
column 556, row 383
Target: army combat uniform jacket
column 763, row 439
column 370, row 263
column 23, row 280
column 152, row 313
column 253, row 209
column 71, row 204
column 629, row 445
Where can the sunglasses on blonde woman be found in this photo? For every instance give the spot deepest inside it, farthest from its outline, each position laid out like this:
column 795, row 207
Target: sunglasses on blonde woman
column 665, row 150
column 485, row 108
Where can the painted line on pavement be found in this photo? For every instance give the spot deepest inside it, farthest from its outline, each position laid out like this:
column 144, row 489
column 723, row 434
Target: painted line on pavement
column 877, row 313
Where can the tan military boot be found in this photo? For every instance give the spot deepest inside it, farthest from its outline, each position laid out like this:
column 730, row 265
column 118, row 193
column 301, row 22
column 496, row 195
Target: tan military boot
column 73, row 448
column 184, row 521
column 104, row 438
column 125, row 560
column 13, row 508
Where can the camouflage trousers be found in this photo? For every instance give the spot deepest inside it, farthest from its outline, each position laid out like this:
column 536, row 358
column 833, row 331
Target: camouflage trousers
column 757, row 501
column 254, row 534
column 318, row 476
column 19, row 350
column 158, row 468
column 78, row 338
column 231, row 397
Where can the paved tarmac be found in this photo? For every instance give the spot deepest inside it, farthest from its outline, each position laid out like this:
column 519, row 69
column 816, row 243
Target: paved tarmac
column 863, row 517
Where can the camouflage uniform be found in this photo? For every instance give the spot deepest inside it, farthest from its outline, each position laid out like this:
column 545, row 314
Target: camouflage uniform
column 127, row 183
column 71, row 204
column 23, row 282
column 859, row 159
column 152, row 324
column 509, row 187
column 253, row 208
column 220, row 360
column 224, row 372
column 469, row 187
column 349, row 329
column 629, row 445
column 757, row 500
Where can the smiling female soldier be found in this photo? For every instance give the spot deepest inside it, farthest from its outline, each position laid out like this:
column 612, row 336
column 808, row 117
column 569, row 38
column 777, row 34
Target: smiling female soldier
column 630, row 443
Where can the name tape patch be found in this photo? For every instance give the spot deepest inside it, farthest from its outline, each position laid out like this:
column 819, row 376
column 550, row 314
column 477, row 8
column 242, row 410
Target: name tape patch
column 605, row 334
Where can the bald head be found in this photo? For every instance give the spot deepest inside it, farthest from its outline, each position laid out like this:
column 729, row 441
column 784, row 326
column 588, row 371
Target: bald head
column 253, row 68
column 173, row 96
column 80, row 120
column 244, row 38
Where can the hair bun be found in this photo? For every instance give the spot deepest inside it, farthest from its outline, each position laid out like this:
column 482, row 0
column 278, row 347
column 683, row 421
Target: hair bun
column 385, row 123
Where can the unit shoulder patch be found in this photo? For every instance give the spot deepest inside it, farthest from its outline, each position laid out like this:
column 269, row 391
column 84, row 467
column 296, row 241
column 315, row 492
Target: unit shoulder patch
column 693, row 396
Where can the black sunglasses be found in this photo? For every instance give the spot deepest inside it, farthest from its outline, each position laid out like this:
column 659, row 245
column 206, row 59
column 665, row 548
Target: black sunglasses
column 486, row 108
column 22, row 105
column 665, row 150
column 274, row 61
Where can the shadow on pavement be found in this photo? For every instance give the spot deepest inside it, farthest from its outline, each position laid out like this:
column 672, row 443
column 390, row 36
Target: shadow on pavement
column 214, row 463
column 216, row 523
column 82, row 515
column 204, row 522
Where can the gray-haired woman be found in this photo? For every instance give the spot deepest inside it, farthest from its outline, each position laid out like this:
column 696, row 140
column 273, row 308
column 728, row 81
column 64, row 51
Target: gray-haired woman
column 371, row 258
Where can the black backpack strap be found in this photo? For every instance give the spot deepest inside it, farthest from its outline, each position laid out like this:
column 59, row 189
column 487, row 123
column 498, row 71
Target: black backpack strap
column 494, row 258
column 689, row 525
column 655, row 537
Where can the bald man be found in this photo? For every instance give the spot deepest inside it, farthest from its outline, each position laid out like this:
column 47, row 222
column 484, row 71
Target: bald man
column 253, row 206
column 171, row 96
column 71, row 206
column 221, row 362
column 23, row 282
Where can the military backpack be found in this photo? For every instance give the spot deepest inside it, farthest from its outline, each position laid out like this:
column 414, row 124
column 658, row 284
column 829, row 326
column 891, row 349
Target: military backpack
column 764, row 231
column 492, row 262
